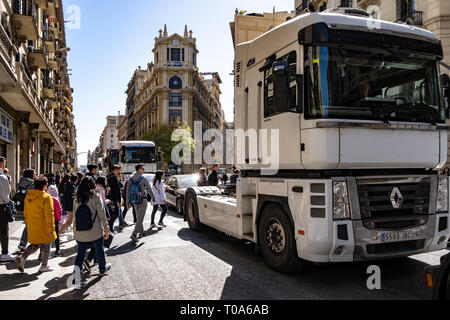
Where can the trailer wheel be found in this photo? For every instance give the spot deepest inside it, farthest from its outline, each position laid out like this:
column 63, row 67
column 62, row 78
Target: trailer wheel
column 191, row 211
column 276, row 240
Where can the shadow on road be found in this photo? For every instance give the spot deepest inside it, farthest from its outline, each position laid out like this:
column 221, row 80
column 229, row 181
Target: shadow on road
column 16, row 281
column 76, row 294
column 123, row 249
column 251, row 279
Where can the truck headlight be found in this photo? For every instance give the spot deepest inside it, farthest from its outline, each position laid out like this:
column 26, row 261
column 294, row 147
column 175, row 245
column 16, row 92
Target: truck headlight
column 442, row 196
column 341, row 209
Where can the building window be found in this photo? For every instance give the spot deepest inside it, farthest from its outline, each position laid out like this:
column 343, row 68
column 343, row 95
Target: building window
column 346, row 4
column 175, row 54
column 168, row 54
column 182, row 54
column 405, row 9
column 175, row 100
column 175, row 83
column 303, row 6
column 157, row 57
column 175, row 115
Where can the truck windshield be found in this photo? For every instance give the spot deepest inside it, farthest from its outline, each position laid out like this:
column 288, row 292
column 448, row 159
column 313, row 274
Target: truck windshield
column 372, row 84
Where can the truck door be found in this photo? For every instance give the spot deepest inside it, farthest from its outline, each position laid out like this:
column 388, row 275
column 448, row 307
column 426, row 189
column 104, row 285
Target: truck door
column 280, row 94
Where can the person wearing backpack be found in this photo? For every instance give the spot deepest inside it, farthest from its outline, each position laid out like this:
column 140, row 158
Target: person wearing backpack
column 137, row 191
column 90, row 225
column 40, row 220
column 125, row 205
column 26, row 183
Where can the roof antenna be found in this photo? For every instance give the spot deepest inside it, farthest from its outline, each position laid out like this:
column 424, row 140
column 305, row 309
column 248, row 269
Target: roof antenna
column 312, row 6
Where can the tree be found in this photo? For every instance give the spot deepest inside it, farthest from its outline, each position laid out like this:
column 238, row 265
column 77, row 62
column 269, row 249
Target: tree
column 161, row 135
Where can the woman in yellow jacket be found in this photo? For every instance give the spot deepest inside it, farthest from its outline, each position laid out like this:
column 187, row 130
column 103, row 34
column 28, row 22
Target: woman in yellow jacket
column 40, row 220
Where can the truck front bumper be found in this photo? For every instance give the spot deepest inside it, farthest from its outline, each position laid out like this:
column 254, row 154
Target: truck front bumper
column 352, row 241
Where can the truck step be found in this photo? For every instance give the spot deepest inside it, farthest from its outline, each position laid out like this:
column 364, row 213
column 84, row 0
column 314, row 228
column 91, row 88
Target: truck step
column 249, row 236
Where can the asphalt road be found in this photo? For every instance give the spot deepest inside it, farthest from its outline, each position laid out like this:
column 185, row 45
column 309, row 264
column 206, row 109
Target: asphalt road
column 177, row 264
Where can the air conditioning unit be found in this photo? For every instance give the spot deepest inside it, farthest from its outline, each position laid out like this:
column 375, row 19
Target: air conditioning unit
column 349, row 11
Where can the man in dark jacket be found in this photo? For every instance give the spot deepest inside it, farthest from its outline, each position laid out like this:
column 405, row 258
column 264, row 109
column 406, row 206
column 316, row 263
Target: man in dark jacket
column 67, row 202
column 26, row 183
column 115, row 195
column 93, row 171
column 213, row 178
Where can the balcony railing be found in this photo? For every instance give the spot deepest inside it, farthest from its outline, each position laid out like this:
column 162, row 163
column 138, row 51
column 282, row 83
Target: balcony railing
column 24, row 7
column 417, row 17
column 47, row 83
column 25, row 19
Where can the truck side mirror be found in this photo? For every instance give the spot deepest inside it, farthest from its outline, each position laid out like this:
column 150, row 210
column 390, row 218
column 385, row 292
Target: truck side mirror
column 445, row 80
column 300, row 96
column 280, row 71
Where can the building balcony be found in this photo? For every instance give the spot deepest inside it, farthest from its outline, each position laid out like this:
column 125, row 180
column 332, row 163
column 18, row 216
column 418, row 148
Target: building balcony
column 24, row 97
column 62, row 62
column 50, row 44
column 37, row 55
column 53, row 64
column 48, row 88
column 53, row 27
column 24, row 19
column 51, row 9
column 42, row 4
column 53, row 103
column 8, row 52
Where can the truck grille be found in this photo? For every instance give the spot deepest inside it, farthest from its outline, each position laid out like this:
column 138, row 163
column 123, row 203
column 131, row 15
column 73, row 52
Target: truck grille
column 396, row 247
column 378, row 212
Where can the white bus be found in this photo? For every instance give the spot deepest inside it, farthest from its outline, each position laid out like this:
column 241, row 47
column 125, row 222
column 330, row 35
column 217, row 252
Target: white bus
column 135, row 152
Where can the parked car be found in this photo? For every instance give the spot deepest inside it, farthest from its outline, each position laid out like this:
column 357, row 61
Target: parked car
column 176, row 187
column 150, row 177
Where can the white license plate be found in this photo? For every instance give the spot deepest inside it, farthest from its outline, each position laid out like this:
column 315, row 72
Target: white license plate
column 397, row 236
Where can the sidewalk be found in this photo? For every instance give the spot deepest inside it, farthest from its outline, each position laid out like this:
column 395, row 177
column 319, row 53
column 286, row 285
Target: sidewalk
column 14, row 285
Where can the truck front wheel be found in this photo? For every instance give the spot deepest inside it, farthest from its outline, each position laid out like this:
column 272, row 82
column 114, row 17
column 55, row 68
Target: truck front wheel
column 191, row 211
column 276, row 239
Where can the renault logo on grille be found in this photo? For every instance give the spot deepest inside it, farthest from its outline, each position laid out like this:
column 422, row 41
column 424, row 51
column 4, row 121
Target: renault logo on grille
column 397, row 198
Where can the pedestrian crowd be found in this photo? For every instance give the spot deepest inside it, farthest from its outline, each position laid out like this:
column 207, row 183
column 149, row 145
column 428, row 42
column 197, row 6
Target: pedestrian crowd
column 86, row 205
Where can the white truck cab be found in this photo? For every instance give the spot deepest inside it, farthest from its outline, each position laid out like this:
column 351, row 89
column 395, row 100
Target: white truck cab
column 360, row 113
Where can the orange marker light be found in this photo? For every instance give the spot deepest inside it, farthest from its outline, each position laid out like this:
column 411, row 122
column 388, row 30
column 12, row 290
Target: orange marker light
column 301, row 232
column 429, row 280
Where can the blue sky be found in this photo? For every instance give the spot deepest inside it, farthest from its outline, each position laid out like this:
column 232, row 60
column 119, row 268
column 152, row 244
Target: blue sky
column 117, row 36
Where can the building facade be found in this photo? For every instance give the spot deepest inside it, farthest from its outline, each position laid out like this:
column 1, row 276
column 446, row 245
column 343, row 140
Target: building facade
column 110, row 135
column 122, row 131
column 174, row 89
column 37, row 129
column 246, row 27
column 134, row 88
